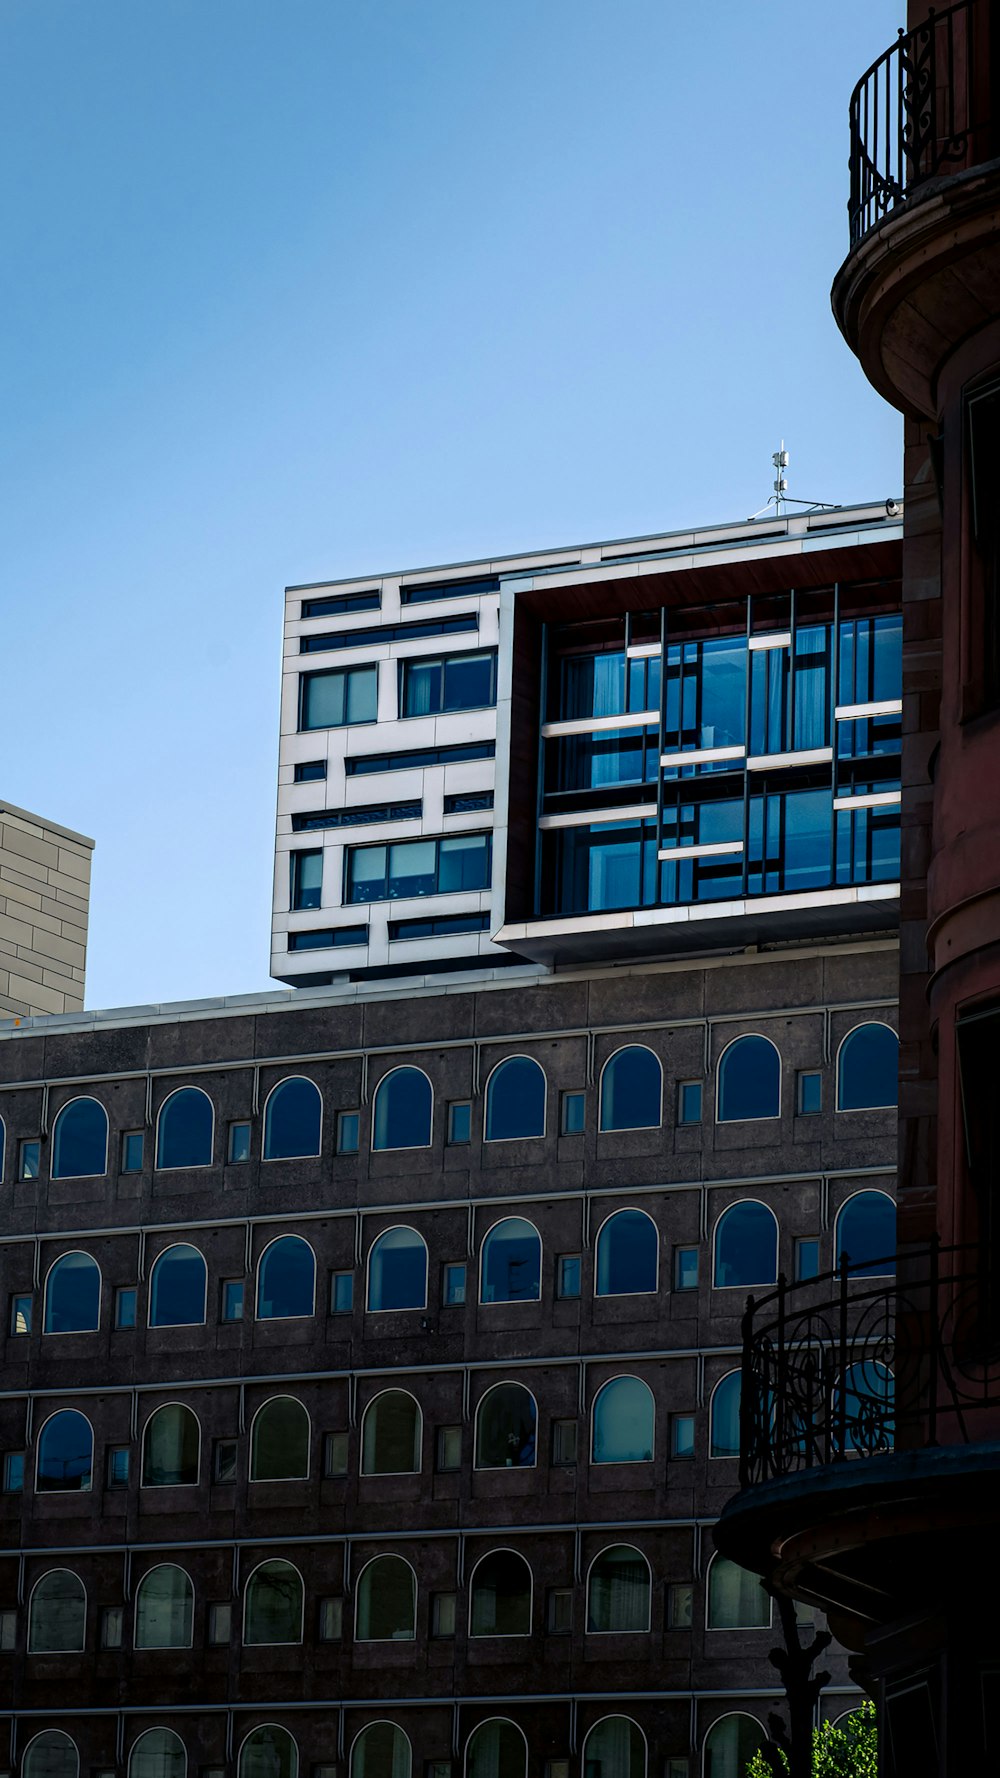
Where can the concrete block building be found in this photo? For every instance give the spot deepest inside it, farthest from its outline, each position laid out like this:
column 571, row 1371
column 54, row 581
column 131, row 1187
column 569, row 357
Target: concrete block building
column 44, row 904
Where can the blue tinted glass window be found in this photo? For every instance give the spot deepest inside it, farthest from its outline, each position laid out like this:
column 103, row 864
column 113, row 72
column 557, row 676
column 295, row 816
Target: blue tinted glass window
column 725, row 1417
column 125, row 1306
column 868, row 1069
column 505, row 1428
column 342, row 696
column 232, row 1299
column 348, row 1132
column 515, row 1100
column 569, row 1275
column 80, row 1140
column 812, row 686
column 286, row 1280
column 184, row 1129
column 746, row 1246
column 689, row 1102
column 624, row 1420
column 810, row 1094
column 342, row 1293
column 869, row 1388
column 867, row 845
column 706, row 694
column 132, row 1144
column 73, row 1295
column 866, row 1234
column 592, row 685
column 590, row 762
column 627, row 1252
column 455, row 682
column 769, row 702
column 31, row 1156
column 454, row 1286
column 310, row 771
column 574, row 1108
column 65, row 1453
column 749, row 1080
column 631, row 1090
column 239, row 1142
column 790, row 841
column 3, row 1145
column 807, row 1258
column 307, row 879
column 177, row 1288
column 459, row 1122
column 404, row 1104
column 871, row 659
column 685, row 1268
column 397, row 1271
column 512, row 1263
column 463, row 863
column 292, row 1120
column 597, row 869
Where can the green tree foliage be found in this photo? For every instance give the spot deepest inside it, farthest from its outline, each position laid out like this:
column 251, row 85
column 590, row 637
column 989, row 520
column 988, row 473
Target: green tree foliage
column 846, row 1750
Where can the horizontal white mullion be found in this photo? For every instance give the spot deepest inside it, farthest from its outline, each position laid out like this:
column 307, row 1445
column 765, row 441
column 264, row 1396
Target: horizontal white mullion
column 875, row 799
column 589, row 817
column 597, row 725
column 701, row 756
column 714, row 849
column 642, row 651
column 805, row 756
column 881, row 707
column 777, row 639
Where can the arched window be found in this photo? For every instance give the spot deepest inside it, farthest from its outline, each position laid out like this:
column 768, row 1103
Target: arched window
column 293, row 1119
column 628, row 1250
column 496, row 1749
column 866, row 1234
column 171, row 1447
column 286, row 1280
column 185, row 1129
column 501, row 1596
column 511, row 1263
column 505, row 1428
column 274, row 1604
column 724, row 1417
column 269, row 1752
column 868, row 1069
column 164, row 1608
column 730, row 1746
column 52, row 1754
column 178, row 1286
column 73, row 1295
column 80, row 1140
column 746, row 1246
column 57, row 1614
column 615, row 1748
column 737, row 1599
column 869, row 1388
column 632, row 1090
column 159, row 1753
column 381, row 1751
column 397, row 1271
column 624, row 1422
column 618, row 1588
column 404, row 1110
column 515, row 1100
column 391, row 1435
column 65, row 1459
column 387, row 1601
column 749, row 1080
column 279, row 1441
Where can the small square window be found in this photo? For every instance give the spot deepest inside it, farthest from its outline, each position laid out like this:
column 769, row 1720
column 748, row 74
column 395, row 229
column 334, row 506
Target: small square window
column 572, row 1112
column 220, row 1622
column 13, row 1472
column 810, row 1094
column 232, row 1299
column 564, row 1441
column 685, row 1268
column 807, row 1258
column 29, row 1160
column 680, row 1606
column 132, row 1151
column 453, row 1286
column 559, row 1611
column 310, row 770
column 239, row 1142
column 335, row 1453
column 558, row 1768
column 341, row 1293
column 20, row 1314
column 682, row 1435
column 677, row 1768
column 117, row 1466
column 568, row 1273
column 438, row 1768
column 331, row 1619
column 460, row 1121
column 8, row 1630
column 348, row 1131
column 112, row 1624
column 689, row 1101
column 125, row 1306
column 448, row 1448
column 444, row 1611
column 224, row 1460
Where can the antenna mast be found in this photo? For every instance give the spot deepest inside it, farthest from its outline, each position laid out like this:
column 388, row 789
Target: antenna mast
column 781, row 497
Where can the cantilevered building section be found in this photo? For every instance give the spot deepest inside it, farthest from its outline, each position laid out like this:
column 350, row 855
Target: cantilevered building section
column 44, row 905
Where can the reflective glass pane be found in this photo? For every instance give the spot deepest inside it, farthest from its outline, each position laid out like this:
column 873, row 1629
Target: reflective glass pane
column 403, row 1109
column 390, row 1442
column 512, row 1263
column 624, row 1420
column 468, row 682
column 868, row 1069
column 159, row 1753
column 51, row 1754
column 505, row 1428
column 618, row 1591
column 725, row 1417
column 381, row 1751
column 280, row 1443
column 496, row 1749
column 65, row 1453
column 292, row 1120
column 269, row 1752
column 631, row 1090
column 746, row 1246
column 184, row 1130
column 73, row 1295
column 177, row 1288
column 730, row 1746
column 397, row 1271
column 866, row 1234
column 367, row 873
column 164, row 1609
column 286, row 1280
column 627, row 1250
column 501, row 1596
column 615, row 1749
column 80, row 1140
column 171, row 1445
column 386, row 1601
column 412, row 869
column 515, row 1100
column 749, row 1080
column 463, row 863
column 273, row 1604
column 57, row 1618
column 737, row 1599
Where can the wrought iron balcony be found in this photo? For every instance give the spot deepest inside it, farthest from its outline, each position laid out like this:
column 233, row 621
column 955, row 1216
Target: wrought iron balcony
column 851, row 1364
column 922, row 110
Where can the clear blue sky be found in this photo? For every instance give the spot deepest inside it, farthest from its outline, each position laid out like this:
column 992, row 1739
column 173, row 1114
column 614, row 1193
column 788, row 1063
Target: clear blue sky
column 295, row 289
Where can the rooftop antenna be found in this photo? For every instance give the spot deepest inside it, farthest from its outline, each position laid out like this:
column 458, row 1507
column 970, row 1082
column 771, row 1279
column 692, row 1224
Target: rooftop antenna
column 781, row 497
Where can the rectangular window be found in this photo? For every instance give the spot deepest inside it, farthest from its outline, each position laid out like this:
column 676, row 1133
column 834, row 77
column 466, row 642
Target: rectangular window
column 564, row 1442
column 341, row 604
column 443, row 1614
column 473, row 802
column 438, row 1768
column 423, row 590
column 125, row 1306
column 239, row 1142
column 331, row 1619
column 20, row 1314
column 438, row 926
column 682, row 1435
column 559, row 1611
column 348, row 1129
column 311, row 771
column 224, row 1455
column 410, row 868
column 232, row 1299
column 132, row 1151
column 810, row 1093
column 370, row 815
column 338, row 697
column 341, row 1293
column 112, row 1624
column 8, row 1630
column 572, row 1111
column 409, row 758
column 568, row 1272
column 453, row 1286
column 13, row 1472
column 220, row 1622
column 335, row 1449
column 327, row 938
column 807, row 1258
column 454, row 682
column 459, row 1121
column 559, row 1768
column 29, row 1160
column 685, row 1268
column 677, row 1768
column 306, row 879
column 360, row 638
column 117, row 1466
column 689, row 1102
column 448, row 1449
column 680, row 1606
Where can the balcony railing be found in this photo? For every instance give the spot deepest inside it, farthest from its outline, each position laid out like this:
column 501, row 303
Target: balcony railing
column 852, row 1364
column 921, row 110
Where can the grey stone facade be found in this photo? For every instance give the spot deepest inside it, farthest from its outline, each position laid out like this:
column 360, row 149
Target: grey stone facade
column 44, row 904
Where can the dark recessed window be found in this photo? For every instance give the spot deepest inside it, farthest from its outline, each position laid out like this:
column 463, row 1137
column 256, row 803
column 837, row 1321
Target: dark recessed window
column 339, row 697
column 452, row 682
column 117, row 1466
column 443, row 1614
column 125, row 1306
column 224, row 1456
column 807, row 1257
column 868, row 1068
column 433, row 626
column 424, row 591
column 685, row 1268
column 572, row 1113
column 306, row 879
column 220, row 1623
column 568, row 1275
column 408, row 868
column 564, row 1441
column 341, row 1293
column 362, row 817
column 460, row 1121
column 348, row 1128
column 30, row 1157
column 689, row 1102
column 342, row 604
column 810, row 1093
column 749, row 1080
column 682, row 1435
column 746, row 1246
column 20, row 1314
column 239, row 1142
column 453, row 1286
column 471, row 803
column 559, row 1611
column 412, row 757
column 335, row 1453
column 325, row 938
column 132, row 1151
column 331, row 1620
column 443, row 926
column 310, row 771
column 232, row 1299
column 13, row 1472
column 448, row 1449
